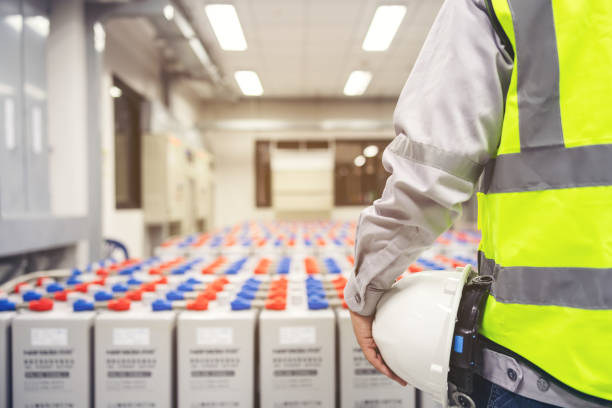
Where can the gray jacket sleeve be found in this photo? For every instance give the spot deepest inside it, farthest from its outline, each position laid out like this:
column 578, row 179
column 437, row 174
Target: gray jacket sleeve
column 448, row 123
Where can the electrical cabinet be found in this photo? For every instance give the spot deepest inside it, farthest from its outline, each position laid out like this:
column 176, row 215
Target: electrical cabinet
column 302, row 181
column 164, row 179
column 12, row 165
column 176, row 184
column 203, row 180
column 24, row 182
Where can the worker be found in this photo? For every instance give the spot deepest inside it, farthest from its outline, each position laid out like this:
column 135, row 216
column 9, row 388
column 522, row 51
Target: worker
column 513, row 99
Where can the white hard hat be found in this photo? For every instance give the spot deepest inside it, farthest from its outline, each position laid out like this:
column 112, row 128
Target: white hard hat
column 414, row 325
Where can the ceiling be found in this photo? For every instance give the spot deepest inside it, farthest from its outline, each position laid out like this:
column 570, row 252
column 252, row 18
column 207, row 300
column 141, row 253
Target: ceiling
column 307, row 48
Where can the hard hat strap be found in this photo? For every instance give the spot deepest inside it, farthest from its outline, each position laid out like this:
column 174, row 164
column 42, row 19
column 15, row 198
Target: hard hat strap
column 466, row 354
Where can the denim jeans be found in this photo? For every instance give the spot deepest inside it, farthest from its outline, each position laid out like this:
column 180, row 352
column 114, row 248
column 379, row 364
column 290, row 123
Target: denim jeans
column 488, row 395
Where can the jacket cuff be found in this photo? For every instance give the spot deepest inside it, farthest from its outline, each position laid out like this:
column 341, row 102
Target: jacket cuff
column 361, row 300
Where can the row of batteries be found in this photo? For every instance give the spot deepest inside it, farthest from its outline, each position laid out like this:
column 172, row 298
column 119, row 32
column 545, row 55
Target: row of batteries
column 192, row 332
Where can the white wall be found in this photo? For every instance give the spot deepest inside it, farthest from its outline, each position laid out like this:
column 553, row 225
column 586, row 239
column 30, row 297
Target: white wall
column 134, row 59
column 67, row 109
column 231, row 129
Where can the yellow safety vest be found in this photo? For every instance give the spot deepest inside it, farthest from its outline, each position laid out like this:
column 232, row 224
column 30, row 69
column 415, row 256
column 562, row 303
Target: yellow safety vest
column 545, row 207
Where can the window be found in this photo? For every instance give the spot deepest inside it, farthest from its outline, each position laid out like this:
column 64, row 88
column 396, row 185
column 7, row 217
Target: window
column 359, row 177
column 128, row 106
column 356, row 181
column 263, row 175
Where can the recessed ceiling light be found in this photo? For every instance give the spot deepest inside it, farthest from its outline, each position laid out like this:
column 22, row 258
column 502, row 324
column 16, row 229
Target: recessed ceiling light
column 383, row 27
column 226, row 25
column 249, row 83
column 357, row 83
column 183, row 25
column 370, row 151
column 168, row 12
column 115, row 92
column 99, row 36
column 359, row 161
column 15, row 21
column 38, row 24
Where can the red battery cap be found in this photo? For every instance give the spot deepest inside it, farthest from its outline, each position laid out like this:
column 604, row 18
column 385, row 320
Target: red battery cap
column 207, row 295
column 102, row 272
column 100, row 281
column 81, row 287
column 162, row 281
column 148, row 287
column 61, row 296
column 39, row 281
column 119, row 305
column 276, row 304
column 134, row 295
column 19, row 286
column 199, row 304
column 41, row 305
column 155, row 271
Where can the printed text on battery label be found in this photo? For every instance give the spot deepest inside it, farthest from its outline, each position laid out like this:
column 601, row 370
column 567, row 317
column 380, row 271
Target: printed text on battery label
column 131, row 337
column 49, row 337
column 297, row 335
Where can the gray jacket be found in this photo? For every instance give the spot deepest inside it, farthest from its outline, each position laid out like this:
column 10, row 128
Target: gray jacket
column 448, row 123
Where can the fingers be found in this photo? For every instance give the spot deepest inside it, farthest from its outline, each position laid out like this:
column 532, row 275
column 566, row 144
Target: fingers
column 362, row 326
column 372, row 355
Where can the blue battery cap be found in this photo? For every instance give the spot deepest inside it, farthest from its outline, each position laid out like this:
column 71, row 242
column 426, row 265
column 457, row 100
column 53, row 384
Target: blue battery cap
column 82, row 305
column 102, row 296
column 133, row 281
column 31, row 295
column 240, row 304
column 73, row 280
column 126, row 271
column 183, row 287
column 254, row 281
column 193, row 281
column 76, row 272
column 250, row 287
column 247, row 294
column 161, row 305
column 317, row 303
column 54, row 287
column 175, row 295
column 178, row 271
column 119, row 287
column 315, row 292
column 6, row 305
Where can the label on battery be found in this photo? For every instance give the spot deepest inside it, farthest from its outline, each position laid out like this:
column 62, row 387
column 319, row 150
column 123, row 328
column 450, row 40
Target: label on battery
column 130, row 369
column 49, row 337
column 48, row 369
column 297, row 335
column 131, row 337
column 296, row 367
column 214, row 336
column 214, row 368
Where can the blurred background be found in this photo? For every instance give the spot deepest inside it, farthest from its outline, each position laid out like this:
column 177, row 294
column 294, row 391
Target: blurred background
column 143, row 120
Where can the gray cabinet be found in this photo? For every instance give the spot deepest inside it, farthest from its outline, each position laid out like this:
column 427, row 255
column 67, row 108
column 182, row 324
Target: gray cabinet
column 35, row 34
column 12, row 142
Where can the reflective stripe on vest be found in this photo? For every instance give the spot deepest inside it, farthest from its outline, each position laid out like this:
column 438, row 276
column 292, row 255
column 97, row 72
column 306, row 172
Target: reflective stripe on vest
column 545, row 207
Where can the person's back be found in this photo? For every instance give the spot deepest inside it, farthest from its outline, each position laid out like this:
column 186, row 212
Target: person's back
column 542, row 115
column 545, row 208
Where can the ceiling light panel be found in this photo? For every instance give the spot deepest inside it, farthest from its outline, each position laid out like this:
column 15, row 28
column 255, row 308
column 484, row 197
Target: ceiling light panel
column 383, row 27
column 357, row 83
column 249, row 83
column 226, row 25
